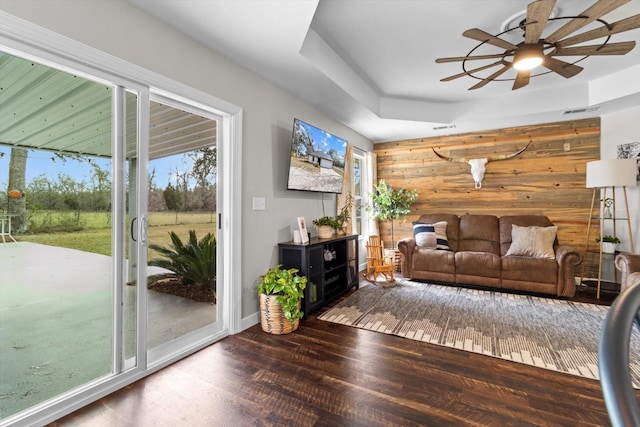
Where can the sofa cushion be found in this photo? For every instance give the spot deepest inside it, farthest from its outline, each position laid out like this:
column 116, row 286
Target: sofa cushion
column 431, row 236
column 477, row 264
column 479, row 233
column 527, row 269
column 536, row 242
column 436, row 261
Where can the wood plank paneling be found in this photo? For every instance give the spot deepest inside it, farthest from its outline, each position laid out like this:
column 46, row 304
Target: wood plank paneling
column 546, row 179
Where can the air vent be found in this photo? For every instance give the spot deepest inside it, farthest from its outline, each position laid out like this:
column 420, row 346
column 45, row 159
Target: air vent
column 580, row 110
column 444, row 127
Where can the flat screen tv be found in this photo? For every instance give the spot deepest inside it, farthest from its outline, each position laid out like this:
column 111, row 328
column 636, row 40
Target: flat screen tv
column 317, row 159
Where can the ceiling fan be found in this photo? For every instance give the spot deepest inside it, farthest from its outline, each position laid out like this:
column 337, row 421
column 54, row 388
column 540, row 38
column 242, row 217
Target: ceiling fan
column 535, row 50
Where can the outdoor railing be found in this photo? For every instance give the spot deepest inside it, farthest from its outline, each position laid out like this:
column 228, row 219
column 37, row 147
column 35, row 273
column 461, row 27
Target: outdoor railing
column 613, row 353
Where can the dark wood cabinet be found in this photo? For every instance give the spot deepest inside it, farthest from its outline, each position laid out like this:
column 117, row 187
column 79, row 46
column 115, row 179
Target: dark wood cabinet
column 330, row 265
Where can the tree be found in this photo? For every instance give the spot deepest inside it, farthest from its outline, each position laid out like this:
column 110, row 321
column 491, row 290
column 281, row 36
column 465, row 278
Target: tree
column 204, row 170
column 205, row 165
column 390, row 204
column 173, row 199
column 17, row 206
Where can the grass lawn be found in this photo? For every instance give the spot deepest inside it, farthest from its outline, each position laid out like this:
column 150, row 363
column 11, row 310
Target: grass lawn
column 96, row 234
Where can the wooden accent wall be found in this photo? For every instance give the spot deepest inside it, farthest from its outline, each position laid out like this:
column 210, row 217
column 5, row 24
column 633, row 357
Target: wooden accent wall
column 545, row 179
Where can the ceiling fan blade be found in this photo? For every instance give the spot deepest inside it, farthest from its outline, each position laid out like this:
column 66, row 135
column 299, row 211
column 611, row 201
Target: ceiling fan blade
column 490, row 78
column 565, row 69
column 483, row 36
column 598, row 9
column 475, row 70
column 469, row 58
column 537, row 16
column 522, row 79
column 609, row 49
column 626, row 24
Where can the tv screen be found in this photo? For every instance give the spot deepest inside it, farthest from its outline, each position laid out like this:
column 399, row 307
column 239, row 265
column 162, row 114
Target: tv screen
column 317, row 159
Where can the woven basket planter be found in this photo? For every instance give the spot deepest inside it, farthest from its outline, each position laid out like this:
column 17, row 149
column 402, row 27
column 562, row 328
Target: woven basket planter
column 325, row 231
column 272, row 317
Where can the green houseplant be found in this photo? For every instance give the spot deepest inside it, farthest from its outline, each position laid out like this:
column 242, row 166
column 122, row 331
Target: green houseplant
column 609, row 244
column 345, row 213
column 280, row 293
column 390, row 204
column 325, row 226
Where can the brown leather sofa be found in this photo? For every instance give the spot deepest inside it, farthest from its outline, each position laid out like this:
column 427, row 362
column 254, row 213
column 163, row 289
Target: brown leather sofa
column 629, row 266
column 477, row 256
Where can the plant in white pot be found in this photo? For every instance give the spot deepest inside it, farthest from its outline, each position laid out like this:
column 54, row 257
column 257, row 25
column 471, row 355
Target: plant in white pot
column 281, row 291
column 609, row 244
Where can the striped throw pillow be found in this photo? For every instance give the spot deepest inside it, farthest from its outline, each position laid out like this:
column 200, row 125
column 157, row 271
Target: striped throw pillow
column 431, row 236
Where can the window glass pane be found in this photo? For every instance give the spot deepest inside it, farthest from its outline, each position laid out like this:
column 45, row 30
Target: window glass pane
column 56, row 277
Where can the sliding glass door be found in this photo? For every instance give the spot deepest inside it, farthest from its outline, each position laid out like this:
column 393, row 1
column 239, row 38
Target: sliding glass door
column 57, row 283
column 100, row 178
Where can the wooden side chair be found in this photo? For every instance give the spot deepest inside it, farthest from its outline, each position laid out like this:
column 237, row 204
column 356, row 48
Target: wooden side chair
column 377, row 263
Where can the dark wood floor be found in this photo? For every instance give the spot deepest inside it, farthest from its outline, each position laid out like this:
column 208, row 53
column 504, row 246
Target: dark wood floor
column 326, row 374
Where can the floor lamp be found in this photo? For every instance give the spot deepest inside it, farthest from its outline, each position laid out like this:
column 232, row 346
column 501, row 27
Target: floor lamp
column 603, row 175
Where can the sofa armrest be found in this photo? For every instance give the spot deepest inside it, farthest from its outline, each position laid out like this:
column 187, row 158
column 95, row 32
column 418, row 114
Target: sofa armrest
column 406, row 248
column 568, row 258
column 627, row 264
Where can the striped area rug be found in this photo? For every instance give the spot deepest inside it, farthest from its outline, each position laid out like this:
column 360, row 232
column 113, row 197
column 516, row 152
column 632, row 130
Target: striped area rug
column 544, row 332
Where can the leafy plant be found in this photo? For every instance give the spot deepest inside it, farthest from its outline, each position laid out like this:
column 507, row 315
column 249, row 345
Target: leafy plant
column 389, row 204
column 193, row 262
column 345, row 213
column 326, row 220
column 608, row 239
column 289, row 288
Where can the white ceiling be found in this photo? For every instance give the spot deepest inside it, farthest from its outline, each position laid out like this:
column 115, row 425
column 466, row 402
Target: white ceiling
column 370, row 64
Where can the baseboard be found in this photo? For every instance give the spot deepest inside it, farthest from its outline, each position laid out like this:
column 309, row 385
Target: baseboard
column 249, row 321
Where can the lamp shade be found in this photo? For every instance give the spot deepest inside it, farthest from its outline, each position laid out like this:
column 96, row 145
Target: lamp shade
column 611, row 173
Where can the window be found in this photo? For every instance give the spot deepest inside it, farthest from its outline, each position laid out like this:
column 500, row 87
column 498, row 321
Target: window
column 360, row 196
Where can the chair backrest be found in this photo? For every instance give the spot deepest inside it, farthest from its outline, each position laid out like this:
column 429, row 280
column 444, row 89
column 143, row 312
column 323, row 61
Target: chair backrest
column 374, row 248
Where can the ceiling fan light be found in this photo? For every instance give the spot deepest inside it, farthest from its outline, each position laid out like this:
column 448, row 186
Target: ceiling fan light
column 528, row 57
column 527, row 63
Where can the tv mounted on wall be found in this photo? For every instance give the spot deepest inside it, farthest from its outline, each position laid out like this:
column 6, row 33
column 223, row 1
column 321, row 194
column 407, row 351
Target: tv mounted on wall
column 317, row 159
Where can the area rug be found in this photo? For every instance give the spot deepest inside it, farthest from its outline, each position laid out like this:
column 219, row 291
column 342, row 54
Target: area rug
column 548, row 333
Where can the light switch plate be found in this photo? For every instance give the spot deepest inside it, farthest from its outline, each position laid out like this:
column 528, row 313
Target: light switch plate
column 259, row 204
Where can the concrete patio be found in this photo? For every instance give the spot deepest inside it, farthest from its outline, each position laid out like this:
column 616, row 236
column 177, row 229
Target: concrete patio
column 56, row 321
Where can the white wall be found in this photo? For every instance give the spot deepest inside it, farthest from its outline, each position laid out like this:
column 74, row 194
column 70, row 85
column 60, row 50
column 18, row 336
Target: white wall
column 120, row 29
column 622, row 128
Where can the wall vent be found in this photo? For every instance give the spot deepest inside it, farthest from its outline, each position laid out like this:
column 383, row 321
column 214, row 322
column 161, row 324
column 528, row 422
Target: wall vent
column 580, row 110
column 444, row 127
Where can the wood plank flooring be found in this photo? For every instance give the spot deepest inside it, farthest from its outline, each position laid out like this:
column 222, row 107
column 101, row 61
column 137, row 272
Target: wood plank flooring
column 326, row 374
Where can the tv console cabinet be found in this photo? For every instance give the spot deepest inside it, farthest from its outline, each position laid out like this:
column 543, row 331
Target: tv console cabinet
column 330, row 265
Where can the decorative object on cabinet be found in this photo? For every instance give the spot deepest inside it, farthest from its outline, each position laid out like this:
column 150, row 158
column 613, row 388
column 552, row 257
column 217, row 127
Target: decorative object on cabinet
column 377, row 263
column 330, row 265
column 325, row 226
column 604, row 175
column 280, row 293
column 302, row 226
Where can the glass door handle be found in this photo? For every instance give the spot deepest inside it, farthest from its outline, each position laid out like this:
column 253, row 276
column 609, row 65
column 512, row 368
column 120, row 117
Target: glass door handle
column 143, row 230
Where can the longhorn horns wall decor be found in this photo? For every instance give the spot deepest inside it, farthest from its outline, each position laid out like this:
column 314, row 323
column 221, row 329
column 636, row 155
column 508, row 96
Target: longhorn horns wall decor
column 478, row 166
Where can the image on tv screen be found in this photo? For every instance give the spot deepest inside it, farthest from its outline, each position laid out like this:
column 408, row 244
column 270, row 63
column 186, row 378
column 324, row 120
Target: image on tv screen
column 317, row 159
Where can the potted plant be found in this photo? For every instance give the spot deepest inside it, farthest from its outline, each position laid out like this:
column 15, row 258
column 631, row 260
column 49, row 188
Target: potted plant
column 280, row 293
column 609, row 244
column 325, row 226
column 389, row 204
column 345, row 214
